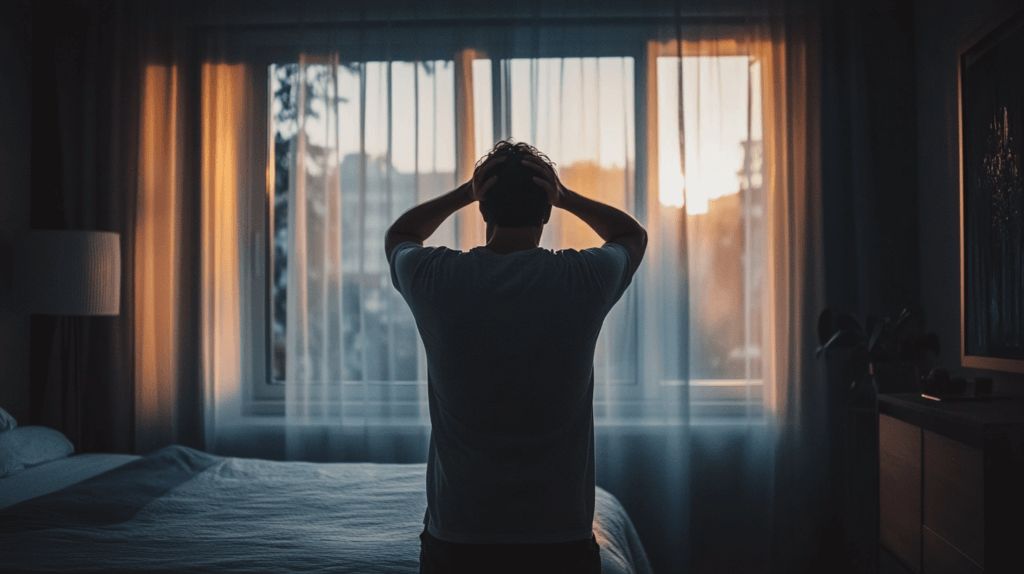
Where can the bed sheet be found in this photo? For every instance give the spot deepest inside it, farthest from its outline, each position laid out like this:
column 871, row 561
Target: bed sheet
column 57, row 474
column 182, row 510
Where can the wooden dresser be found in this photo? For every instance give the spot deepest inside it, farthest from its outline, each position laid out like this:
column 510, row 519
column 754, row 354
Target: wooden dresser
column 951, row 483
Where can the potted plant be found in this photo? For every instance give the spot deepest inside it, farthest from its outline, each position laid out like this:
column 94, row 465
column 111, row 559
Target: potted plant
column 884, row 355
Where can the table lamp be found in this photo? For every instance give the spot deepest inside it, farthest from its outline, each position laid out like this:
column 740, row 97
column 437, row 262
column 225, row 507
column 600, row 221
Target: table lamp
column 70, row 274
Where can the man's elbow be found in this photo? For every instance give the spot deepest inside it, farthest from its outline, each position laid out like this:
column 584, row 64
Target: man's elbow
column 393, row 238
column 640, row 248
column 635, row 244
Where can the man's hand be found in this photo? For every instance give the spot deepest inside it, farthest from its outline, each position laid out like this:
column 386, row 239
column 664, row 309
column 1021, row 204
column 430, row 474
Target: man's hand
column 417, row 224
column 611, row 224
column 478, row 186
column 547, row 180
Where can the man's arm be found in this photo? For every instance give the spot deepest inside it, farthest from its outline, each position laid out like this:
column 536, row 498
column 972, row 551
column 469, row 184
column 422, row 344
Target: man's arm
column 420, row 222
column 611, row 224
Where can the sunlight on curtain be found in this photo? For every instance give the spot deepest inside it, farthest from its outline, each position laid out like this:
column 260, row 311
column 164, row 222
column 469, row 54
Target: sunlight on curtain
column 708, row 298
column 792, row 169
column 225, row 101
column 471, row 142
column 710, row 154
column 157, row 266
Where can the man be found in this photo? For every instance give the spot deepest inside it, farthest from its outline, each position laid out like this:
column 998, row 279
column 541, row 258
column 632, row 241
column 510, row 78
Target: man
column 509, row 330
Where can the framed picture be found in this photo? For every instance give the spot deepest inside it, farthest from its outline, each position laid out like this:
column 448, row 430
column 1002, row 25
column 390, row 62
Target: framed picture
column 991, row 93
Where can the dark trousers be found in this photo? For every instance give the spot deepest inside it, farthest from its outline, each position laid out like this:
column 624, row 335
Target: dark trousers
column 441, row 557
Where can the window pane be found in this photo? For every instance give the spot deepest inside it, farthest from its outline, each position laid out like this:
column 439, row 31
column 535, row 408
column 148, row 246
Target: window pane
column 284, row 127
column 385, row 168
column 725, row 223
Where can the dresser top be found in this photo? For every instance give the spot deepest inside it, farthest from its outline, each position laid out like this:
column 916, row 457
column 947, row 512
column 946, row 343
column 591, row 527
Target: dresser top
column 965, row 418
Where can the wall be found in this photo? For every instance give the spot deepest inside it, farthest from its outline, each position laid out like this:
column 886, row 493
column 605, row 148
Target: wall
column 14, row 200
column 940, row 27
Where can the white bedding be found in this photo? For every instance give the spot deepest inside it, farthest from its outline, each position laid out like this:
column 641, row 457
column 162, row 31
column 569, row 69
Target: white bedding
column 249, row 515
column 57, row 474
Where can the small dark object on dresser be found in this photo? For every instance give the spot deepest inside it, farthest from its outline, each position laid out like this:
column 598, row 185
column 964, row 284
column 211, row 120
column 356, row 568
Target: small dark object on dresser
column 935, row 382
column 938, row 385
column 981, row 386
column 938, row 382
column 956, row 385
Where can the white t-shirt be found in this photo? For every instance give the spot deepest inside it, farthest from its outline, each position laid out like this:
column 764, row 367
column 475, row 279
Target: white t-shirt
column 510, row 376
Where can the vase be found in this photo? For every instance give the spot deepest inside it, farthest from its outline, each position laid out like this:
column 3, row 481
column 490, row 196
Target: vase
column 864, row 392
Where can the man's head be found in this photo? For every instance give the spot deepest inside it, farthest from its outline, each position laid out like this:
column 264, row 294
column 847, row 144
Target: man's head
column 514, row 200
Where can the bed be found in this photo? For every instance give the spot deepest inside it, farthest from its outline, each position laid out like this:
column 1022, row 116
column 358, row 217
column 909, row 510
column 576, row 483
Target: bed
column 182, row 510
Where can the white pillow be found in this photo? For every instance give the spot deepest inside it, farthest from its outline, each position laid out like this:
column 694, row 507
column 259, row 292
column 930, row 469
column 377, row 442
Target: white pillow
column 28, row 446
column 7, row 422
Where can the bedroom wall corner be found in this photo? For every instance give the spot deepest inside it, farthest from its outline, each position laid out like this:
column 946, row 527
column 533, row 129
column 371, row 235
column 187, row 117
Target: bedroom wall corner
column 15, row 135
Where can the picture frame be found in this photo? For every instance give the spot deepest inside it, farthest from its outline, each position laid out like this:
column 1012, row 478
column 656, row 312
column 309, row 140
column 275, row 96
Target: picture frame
column 991, row 133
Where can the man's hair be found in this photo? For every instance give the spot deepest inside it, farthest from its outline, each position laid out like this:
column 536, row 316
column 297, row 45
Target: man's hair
column 514, row 200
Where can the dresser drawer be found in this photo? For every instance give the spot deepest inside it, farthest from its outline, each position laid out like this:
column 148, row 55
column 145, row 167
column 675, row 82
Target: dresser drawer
column 939, row 557
column 899, row 489
column 954, row 495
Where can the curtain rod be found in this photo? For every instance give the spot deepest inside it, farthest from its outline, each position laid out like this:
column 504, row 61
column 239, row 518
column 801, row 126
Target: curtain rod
column 493, row 22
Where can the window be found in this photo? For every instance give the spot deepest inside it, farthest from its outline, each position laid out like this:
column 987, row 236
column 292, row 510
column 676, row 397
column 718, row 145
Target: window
column 381, row 176
column 398, row 138
column 390, row 132
column 725, row 224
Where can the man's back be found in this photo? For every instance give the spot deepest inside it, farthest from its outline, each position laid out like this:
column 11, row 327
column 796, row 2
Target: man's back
column 510, row 346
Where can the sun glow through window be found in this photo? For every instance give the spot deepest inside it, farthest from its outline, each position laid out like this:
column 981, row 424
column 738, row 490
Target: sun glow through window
column 717, row 103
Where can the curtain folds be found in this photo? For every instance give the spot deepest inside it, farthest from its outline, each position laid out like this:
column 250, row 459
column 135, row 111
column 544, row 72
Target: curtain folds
column 252, row 161
column 113, row 140
column 166, row 313
column 227, row 108
column 803, row 402
column 83, row 176
column 703, row 379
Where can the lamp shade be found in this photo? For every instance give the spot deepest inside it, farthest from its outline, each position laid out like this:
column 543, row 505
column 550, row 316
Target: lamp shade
column 68, row 272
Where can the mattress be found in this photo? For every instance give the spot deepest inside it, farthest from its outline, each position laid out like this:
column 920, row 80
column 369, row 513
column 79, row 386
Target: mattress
column 181, row 510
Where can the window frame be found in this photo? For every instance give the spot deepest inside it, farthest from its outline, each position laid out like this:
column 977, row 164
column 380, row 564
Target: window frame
column 263, row 396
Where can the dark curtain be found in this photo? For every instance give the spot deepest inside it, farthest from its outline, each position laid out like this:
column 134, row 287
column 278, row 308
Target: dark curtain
column 88, row 58
column 869, row 201
column 869, row 158
column 83, row 139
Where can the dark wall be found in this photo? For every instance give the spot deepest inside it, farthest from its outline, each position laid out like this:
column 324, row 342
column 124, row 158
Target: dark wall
column 15, row 106
column 940, row 27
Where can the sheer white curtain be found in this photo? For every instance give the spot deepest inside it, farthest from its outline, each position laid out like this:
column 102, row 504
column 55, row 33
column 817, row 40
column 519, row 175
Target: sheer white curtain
column 703, row 131
column 369, row 142
column 351, row 353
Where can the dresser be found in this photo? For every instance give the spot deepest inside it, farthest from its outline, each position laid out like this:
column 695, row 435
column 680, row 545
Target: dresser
column 951, row 483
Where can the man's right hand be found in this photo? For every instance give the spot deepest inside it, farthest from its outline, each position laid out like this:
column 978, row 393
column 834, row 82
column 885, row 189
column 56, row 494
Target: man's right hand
column 611, row 224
